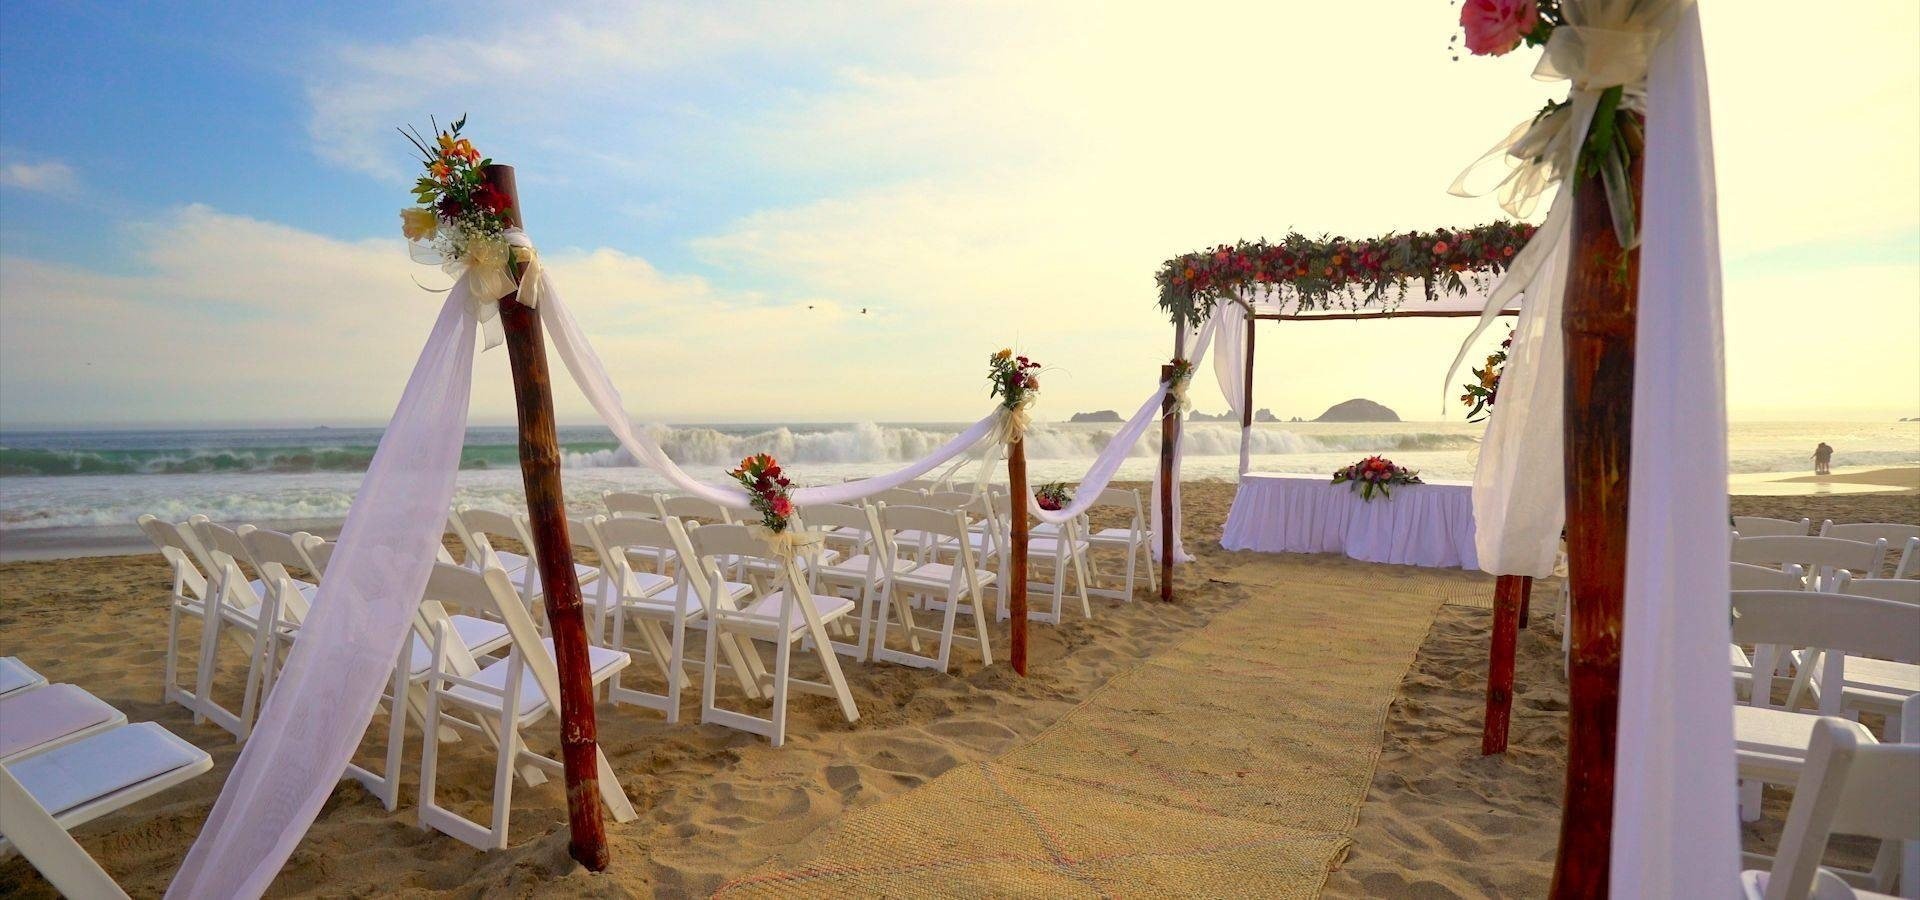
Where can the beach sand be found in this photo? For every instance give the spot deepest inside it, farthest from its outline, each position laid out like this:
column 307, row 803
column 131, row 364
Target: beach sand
column 1439, row 819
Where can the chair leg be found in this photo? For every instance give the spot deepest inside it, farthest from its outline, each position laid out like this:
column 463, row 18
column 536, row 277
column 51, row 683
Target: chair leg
column 830, row 661
column 782, row 662
column 503, row 782
column 1080, row 580
column 677, row 661
column 980, row 627
column 707, row 669
column 946, row 630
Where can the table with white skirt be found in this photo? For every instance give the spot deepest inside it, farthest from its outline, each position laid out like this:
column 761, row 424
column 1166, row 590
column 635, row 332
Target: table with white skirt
column 1428, row 524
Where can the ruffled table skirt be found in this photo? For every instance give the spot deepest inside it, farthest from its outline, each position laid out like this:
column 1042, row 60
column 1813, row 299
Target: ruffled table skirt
column 1420, row 525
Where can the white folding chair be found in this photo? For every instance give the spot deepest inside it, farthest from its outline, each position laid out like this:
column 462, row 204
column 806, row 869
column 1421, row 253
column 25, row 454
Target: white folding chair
column 861, row 575
column 1850, row 786
column 503, row 698
column 45, row 794
column 1825, row 558
column 785, row 615
column 1060, row 549
column 630, row 504
column 1745, row 577
column 1867, row 685
column 477, row 529
column 1133, row 542
column 660, row 609
column 189, row 566
column 1762, row 526
column 1906, row 537
column 1771, row 744
column 947, row 587
column 237, row 607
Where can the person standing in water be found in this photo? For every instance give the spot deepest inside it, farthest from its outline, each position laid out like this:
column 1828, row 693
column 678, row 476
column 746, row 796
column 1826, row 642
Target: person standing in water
column 1822, row 458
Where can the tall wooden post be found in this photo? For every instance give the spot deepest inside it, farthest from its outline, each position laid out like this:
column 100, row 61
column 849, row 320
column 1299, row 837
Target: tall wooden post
column 1508, row 592
column 1602, row 304
column 547, row 512
column 1018, row 497
column 1169, row 440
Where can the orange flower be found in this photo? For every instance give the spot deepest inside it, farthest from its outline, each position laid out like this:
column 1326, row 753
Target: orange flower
column 440, row 170
column 446, row 142
column 464, row 149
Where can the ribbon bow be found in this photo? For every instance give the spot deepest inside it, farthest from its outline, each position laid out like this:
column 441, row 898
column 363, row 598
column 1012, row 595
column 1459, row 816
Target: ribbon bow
column 788, row 543
column 1177, row 388
column 482, row 269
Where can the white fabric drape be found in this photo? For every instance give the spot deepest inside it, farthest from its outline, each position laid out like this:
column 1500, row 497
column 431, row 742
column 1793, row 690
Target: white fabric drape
column 313, row 720
column 1101, row 474
column 1230, row 369
column 1519, row 503
column 1198, row 338
column 1674, row 831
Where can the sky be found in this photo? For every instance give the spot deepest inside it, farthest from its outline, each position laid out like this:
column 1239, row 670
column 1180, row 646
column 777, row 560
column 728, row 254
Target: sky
column 833, row 212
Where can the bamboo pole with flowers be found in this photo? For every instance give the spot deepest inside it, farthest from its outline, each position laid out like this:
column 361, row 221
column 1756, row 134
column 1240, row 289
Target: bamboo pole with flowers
column 467, row 204
column 1015, row 384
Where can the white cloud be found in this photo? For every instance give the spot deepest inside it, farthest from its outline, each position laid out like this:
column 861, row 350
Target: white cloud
column 51, row 176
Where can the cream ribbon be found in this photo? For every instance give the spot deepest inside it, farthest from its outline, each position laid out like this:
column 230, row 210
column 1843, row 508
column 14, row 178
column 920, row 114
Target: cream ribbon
column 789, row 543
column 1178, row 389
column 482, row 270
column 1605, row 44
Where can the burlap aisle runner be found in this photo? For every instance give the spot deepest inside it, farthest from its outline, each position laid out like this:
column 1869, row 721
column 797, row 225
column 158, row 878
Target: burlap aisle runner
column 1233, row 764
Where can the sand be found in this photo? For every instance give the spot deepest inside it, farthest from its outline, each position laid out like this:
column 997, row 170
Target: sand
column 1438, row 819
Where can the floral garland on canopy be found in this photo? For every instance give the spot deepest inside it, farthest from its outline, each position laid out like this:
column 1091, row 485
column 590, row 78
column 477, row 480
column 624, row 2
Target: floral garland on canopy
column 1338, row 272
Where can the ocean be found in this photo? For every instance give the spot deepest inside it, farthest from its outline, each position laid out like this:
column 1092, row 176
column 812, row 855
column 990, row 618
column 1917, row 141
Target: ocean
column 66, row 493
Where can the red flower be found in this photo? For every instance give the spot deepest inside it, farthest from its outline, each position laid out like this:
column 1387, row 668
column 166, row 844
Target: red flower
column 1439, row 246
column 782, row 507
column 492, row 199
column 450, row 207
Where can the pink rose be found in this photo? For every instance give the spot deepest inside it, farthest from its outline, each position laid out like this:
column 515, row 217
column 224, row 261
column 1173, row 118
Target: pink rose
column 782, row 507
column 1495, row 27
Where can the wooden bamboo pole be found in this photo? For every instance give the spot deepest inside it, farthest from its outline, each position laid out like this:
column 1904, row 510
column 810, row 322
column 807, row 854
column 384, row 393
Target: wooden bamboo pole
column 1169, row 442
column 1507, row 592
column 1018, row 498
column 1602, row 305
column 547, row 512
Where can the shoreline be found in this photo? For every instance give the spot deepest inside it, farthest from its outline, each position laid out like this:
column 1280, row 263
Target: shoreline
column 88, row 541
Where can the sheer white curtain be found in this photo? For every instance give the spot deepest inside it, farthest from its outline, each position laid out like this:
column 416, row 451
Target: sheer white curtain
column 320, row 706
column 1230, row 369
column 1197, row 338
column 1674, row 832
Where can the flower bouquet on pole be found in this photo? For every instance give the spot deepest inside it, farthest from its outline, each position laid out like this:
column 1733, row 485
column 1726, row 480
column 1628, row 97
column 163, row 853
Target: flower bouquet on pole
column 1375, row 473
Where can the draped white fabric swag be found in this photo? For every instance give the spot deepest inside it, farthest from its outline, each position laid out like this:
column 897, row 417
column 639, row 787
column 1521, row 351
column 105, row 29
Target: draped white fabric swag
column 312, row 722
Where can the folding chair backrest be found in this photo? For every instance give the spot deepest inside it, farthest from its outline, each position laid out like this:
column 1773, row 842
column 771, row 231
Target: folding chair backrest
column 177, row 546
column 1867, row 532
column 900, row 497
column 1821, row 552
column 1846, row 787
column 698, row 508
column 1121, row 498
column 621, row 504
column 620, row 534
column 837, row 515
column 947, row 523
column 1746, row 577
column 1856, row 626
column 1909, row 564
column 478, row 527
column 1762, row 526
column 945, row 500
column 277, row 554
column 218, row 539
column 714, row 547
column 1899, row 590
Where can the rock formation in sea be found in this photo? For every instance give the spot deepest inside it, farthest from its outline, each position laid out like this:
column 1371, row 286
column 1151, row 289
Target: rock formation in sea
column 1358, row 410
column 1105, row 415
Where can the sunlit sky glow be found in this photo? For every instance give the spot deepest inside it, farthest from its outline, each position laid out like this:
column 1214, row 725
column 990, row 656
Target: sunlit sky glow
column 198, row 211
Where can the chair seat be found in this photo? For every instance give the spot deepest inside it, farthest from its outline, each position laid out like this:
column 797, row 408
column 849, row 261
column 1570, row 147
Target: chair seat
column 121, row 763
column 601, row 661
column 1048, row 547
column 822, row 557
column 581, row 574
column 855, row 568
column 1826, row 886
column 307, row 589
column 480, row 636
column 514, row 563
column 938, row 576
column 682, row 594
column 1114, row 537
column 51, row 714
column 639, row 584
column 1771, row 744
column 767, row 610
column 1875, row 682
column 16, row 675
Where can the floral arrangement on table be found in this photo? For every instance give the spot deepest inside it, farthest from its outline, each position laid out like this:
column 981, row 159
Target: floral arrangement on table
column 1013, row 378
column 1481, row 391
column 1053, row 496
column 767, row 488
column 1375, row 473
column 1338, row 272
column 1594, row 50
